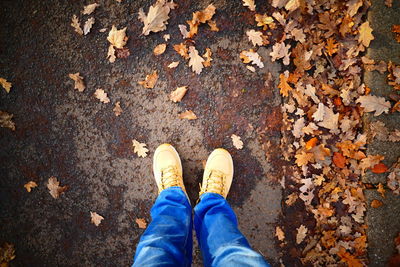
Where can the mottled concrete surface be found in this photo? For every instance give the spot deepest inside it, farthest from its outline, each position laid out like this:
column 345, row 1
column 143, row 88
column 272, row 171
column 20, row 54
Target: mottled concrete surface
column 61, row 132
column 383, row 222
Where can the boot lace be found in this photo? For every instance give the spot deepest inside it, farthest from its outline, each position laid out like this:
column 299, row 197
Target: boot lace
column 214, row 183
column 170, row 177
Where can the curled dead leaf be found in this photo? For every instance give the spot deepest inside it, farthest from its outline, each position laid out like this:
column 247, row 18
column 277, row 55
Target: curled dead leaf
column 142, row 224
column 178, row 94
column 29, row 185
column 159, row 49
column 54, row 187
column 150, row 80
column 96, row 218
column 188, row 114
column 79, row 84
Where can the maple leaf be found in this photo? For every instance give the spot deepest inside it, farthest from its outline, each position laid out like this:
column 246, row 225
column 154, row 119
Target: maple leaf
column 264, row 21
column 255, row 37
column 6, row 85
column 117, row 109
column 79, row 84
column 279, row 233
column 188, row 114
column 280, row 50
column 150, row 80
column 207, row 56
column 159, row 49
column 29, row 185
column 157, row 17
column 200, row 17
column 117, row 37
column 54, row 187
column 253, row 57
column 88, row 25
column 76, row 25
column 141, row 223
column 374, row 103
column 237, row 142
column 139, row 148
column 5, row 120
column 365, row 36
column 250, row 4
column 102, row 96
column 182, row 50
column 301, row 234
column 87, row 10
column 178, row 94
column 284, row 85
column 173, row 64
column 96, row 218
column 195, row 61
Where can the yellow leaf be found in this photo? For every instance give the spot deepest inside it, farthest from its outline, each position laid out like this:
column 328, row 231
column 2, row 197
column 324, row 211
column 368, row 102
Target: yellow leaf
column 365, row 36
column 29, row 185
column 117, row 37
column 6, row 85
column 159, row 49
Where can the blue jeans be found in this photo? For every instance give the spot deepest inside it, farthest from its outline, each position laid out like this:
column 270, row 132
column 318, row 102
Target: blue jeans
column 167, row 240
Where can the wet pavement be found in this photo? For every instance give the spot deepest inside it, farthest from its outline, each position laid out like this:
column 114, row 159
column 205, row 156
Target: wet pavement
column 71, row 135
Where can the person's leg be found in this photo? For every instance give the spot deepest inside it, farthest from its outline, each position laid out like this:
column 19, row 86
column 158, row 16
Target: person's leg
column 167, row 240
column 221, row 242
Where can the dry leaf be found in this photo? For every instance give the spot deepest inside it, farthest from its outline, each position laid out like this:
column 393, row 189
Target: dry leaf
column 54, row 187
column 376, row 203
column 195, row 61
column 5, row 120
column 283, row 85
column 207, row 56
column 178, row 94
column 96, row 218
column 182, row 50
column 381, row 190
column 150, row 80
column 213, row 25
column 183, row 30
column 253, row 57
column 159, row 49
column 292, row 5
column 29, row 185
column 251, row 68
column 303, row 158
column 79, row 84
column 339, row 160
column 365, row 36
column 139, row 148
column 279, row 233
column 199, row 17
column 301, row 234
column 255, row 37
column 374, row 103
column 237, row 142
column 188, row 114
column 111, row 54
column 173, row 65
column 264, row 21
column 331, row 46
column 102, row 96
column 117, row 109
column 87, row 10
column 6, row 85
column 280, row 50
column 76, row 25
column 141, row 223
column 166, row 37
column 157, row 17
column 379, row 168
column 88, row 25
column 117, row 37
column 7, row 254
column 250, row 4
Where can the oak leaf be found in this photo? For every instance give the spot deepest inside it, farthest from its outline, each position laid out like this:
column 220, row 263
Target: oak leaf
column 88, row 25
column 79, row 84
column 339, row 160
column 264, row 21
column 150, row 80
column 139, row 148
column 292, row 5
column 252, row 57
column 213, row 25
column 250, row 4
column 381, row 190
column 331, row 46
column 6, row 85
column 156, row 19
column 303, row 158
column 178, row 94
column 96, row 218
column 374, row 103
column 29, row 185
column 365, row 36
column 284, row 85
column 111, row 54
column 199, row 17
column 237, row 142
column 102, row 96
column 279, row 233
column 89, row 9
column 117, row 109
column 182, row 50
column 159, row 49
column 184, row 31
column 280, row 50
column 301, row 234
column 54, row 187
column 6, row 120
column 76, row 25
column 117, row 37
column 142, row 224
column 188, row 114
column 208, row 59
column 255, row 37
column 195, row 60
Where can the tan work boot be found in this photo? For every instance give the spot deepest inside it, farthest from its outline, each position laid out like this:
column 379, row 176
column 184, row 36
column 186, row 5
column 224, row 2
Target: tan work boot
column 167, row 168
column 218, row 173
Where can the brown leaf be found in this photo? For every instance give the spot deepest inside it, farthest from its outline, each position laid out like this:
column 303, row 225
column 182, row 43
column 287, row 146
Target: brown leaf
column 6, row 85
column 29, row 185
column 199, row 17
column 88, row 25
column 102, row 96
column 207, row 56
column 213, row 25
column 117, row 109
column 178, row 94
column 89, row 9
column 6, row 120
column 96, row 218
column 117, row 37
column 76, row 25
column 250, row 4
column 301, row 234
column 283, row 85
column 182, row 50
column 195, row 61
column 150, row 80
column 173, row 64
column 188, row 114
column 331, row 46
column 381, row 190
column 159, row 49
column 279, row 233
column 376, row 203
column 256, row 37
column 142, row 224
column 54, row 187
column 79, row 84
column 156, row 19
column 365, row 36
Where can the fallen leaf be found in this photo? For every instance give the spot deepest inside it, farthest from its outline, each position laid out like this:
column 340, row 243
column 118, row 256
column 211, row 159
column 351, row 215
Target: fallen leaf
column 54, row 187
column 207, row 56
column 111, row 54
column 255, row 37
column 303, row 158
column 29, row 185
column 178, row 94
column 87, row 10
column 182, row 50
column 188, row 114
column 252, row 57
column 381, row 190
column 88, row 25
column 139, row 148
column 76, row 25
column 379, row 168
column 376, row 203
column 374, row 103
column 6, row 85
column 280, row 50
column 301, row 234
column 166, row 37
column 365, row 36
column 156, row 19
column 311, row 143
column 250, row 4
column 150, row 80
column 283, row 85
column 79, row 84
column 195, row 61
column 117, row 109
column 279, row 233
column 331, row 46
column 159, row 49
column 173, row 65
column 251, row 68
column 213, row 25
column 6, row 120
column 237, row 142
column 7, row 254
column 96, row 218
column 292, row 5
column 102, row 96
column 200, row 17
column 117, row 37
column 339, row 160
column 142, row 224
column 264, row 21
column 183, row 30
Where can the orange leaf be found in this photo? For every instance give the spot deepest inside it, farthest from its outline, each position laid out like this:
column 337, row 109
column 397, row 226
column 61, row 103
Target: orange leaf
column 339, row 160
column 311, row 143
column 379, row 168
column 283, row 85
column 376, row 203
